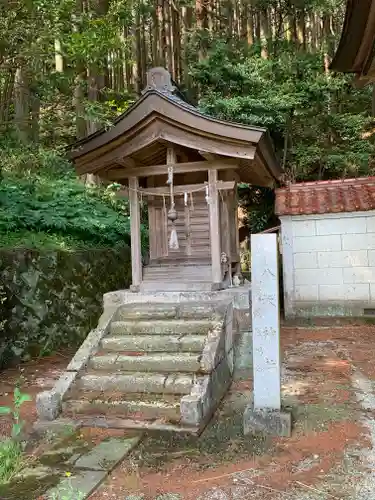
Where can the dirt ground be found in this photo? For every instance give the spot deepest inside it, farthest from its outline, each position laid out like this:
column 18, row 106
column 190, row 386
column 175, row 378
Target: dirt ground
column 324, row 458
column 328, row 379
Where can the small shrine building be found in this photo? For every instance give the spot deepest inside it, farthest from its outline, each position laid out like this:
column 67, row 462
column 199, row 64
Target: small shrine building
column 186, row 166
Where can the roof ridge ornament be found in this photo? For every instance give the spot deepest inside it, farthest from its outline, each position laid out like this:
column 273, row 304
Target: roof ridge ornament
column 159, row 79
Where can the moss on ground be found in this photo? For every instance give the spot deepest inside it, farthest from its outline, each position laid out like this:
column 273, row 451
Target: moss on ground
column 29, row 488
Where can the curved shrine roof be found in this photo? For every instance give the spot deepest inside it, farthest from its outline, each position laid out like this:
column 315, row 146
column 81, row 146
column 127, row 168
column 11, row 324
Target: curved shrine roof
column 160, row 117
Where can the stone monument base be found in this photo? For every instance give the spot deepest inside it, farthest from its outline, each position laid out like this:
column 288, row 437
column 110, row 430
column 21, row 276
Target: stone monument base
column 273, row 422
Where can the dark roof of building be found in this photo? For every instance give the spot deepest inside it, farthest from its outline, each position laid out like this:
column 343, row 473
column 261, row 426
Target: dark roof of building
column 355, row 53
column 323, row 197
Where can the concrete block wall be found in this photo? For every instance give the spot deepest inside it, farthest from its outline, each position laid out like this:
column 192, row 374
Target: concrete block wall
column 328, row 263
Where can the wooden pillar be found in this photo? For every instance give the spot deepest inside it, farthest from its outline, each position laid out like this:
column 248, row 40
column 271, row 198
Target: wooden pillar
column 225, row 225
column 171, row 156
column 214, row 227
column 236, row 222
column 135, row 234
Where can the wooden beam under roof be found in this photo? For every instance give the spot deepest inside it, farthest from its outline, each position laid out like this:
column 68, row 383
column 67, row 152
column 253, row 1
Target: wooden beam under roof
column 208, row 156
column 150, row 191
column 181, row 151
column 178, row 168
column 126, row 162
column 220, row 185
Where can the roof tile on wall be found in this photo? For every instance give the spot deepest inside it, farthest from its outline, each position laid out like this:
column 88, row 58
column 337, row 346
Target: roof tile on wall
column 323, row 197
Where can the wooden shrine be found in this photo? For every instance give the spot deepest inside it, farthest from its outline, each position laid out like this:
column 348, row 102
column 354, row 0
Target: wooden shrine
column 186, row 166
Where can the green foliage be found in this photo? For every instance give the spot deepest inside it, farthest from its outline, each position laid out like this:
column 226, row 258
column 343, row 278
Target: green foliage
column 81, row 63
column 258, row 204
column 60, row 206
column 12, row 459
column 325, row 118
column 42, row 202
column 19, row 240
column 18, row 400
column 3, row 298
column 320, row 123
column 28, row 33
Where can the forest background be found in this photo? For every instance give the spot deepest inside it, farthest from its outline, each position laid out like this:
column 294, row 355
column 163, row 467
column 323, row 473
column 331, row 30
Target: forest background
column 69, row 67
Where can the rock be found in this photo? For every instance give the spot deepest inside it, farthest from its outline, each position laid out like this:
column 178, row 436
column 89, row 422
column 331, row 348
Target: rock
column 48, row 405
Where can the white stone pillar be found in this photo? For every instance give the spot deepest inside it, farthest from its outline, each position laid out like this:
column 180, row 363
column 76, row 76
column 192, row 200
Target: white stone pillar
column 264, row 413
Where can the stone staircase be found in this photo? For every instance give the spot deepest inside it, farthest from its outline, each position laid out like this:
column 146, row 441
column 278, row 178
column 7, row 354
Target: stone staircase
column 155, row 366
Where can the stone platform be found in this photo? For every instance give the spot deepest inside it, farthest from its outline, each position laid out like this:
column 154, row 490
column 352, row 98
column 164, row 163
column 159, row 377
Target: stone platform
column 239, row 296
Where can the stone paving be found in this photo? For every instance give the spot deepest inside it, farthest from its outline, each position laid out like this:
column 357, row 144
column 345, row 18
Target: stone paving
column 89, row 469
column 71, row 467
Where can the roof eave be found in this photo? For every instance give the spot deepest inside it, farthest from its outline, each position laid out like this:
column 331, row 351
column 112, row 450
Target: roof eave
column 75, row 150
column 268, row 154
column 357, row 38
column 82, row 147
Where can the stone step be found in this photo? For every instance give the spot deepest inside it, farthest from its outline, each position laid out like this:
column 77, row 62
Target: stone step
column 177, row 327
column 199, row 259
column 137, row 406
column 102, row 422
column 142, row 311
column 194, row 273
column 133, row 382
column 134, row 424
column 154, row 343
column 189, row 281
column 178, row 261
column 142, row 362
column 199, row 310
column 178, row 286
column 155, row 311
column 184, row 278
column 177, row 267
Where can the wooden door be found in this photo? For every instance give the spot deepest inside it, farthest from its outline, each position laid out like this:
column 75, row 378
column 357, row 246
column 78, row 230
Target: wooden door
column 158, row 234
column 199, row 227
column 192, row 226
